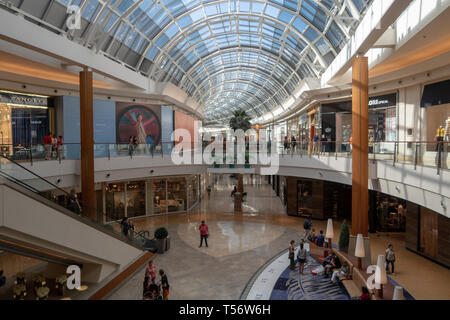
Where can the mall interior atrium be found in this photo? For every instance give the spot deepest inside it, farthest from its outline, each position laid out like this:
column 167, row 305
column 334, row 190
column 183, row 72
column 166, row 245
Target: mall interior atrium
column 224, row 150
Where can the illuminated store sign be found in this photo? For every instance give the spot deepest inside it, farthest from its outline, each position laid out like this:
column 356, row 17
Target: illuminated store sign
column 383, row 101
column 20, row 99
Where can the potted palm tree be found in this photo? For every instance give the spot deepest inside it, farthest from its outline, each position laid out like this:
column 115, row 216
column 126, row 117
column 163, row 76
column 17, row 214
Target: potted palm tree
column 161, row 235
column 240, row 120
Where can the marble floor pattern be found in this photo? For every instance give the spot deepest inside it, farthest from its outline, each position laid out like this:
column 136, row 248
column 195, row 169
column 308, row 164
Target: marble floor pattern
column 240, row 244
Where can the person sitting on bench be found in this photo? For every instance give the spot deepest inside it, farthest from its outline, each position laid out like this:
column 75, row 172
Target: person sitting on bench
column 334, row 264
column 340, row 274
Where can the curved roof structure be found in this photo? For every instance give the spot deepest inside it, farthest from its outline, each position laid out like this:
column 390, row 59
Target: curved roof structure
column 226, row 54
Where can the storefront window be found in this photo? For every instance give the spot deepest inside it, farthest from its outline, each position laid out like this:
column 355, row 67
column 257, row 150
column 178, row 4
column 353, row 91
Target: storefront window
column 438, row 125
column 343, row 131
column 136, row 199
column 176, row 194
column 391, row 213
column 303, row 132
column 159, row 196
column 24, row 121
column 382, row 123
column 115, row 200
column 304, row 196
column 192, row 189
column 5, row 129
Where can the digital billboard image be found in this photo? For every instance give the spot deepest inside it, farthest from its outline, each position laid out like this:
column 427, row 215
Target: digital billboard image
column 141, row 121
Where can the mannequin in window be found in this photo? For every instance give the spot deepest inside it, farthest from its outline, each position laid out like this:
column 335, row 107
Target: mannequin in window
column 440, row 133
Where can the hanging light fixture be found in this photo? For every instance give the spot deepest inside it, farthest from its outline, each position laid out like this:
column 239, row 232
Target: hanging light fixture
column 380, row 274
column 398, row 293
column 359, row 249
column 330, row 232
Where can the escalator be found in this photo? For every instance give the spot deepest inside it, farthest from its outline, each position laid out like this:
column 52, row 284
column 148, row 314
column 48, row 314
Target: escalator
column 39, row 219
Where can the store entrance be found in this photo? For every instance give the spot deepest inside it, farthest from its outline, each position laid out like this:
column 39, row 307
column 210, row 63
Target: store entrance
column 428, row 232
column 389, row 213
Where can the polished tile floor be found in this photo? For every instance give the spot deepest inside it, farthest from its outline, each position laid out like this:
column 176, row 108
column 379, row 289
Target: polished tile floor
column 240, row 244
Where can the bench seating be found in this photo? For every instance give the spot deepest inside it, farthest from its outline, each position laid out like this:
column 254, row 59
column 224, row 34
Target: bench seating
column 352, row 290
column 354, row 281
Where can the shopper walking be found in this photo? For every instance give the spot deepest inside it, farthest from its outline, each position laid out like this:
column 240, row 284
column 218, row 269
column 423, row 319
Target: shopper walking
column 204, row 233
column 60, row 144
column 323, row 144
column 48, row 145
column 54, row 147
column 316, row 142
column 390, row 257
column 125, row 226
column 292, row 255
column 72, row 203
column 293, row 143
column 307, row 225
column 301, row 256
column 209, row 192
column 164, row 284
column 286, row 143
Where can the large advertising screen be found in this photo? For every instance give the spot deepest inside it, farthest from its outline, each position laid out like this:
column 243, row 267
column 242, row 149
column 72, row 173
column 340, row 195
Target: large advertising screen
column 141, row 121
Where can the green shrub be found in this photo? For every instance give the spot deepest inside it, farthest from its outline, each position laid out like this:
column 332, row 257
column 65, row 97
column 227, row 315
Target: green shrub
column 344, row 237
column 161, row 233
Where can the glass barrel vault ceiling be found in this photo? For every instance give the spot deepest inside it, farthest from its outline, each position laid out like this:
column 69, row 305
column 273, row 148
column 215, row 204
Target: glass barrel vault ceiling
column 226, row 54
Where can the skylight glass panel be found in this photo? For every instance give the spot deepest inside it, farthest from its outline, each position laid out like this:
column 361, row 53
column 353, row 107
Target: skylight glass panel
column 211, row 10
column 184, row 22
column 124, row 6
column 223, row 7
column 257, row 7
column 311, row 34
column 197, row 15
column 172, row 30
column 244, row 6
column 90, row 9
column 285, row 16
column 272, row 11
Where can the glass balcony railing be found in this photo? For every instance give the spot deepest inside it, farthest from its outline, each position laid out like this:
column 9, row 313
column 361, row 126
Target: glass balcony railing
column 429, row 154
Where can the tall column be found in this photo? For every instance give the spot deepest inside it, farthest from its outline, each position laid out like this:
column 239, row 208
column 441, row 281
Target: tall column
column 238, row 195
column 87, row 143
column 360, row 133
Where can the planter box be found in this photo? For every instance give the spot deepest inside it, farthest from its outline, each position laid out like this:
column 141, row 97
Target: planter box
column 161, row 245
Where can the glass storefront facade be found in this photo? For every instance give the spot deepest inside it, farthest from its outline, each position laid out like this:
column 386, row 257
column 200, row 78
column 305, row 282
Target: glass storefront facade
column 115, row 200
column 151, row 197
column 336, row 120
column 389, row 212
column 24, row 121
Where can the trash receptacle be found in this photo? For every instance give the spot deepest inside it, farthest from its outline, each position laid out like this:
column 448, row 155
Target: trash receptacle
column 167, row 243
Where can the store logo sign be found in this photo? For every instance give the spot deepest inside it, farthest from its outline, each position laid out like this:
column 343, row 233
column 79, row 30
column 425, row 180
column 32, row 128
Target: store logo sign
column 19, row 99
column 73, row 21
column 28, row 100
column 74, row 280
column 376, row 102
